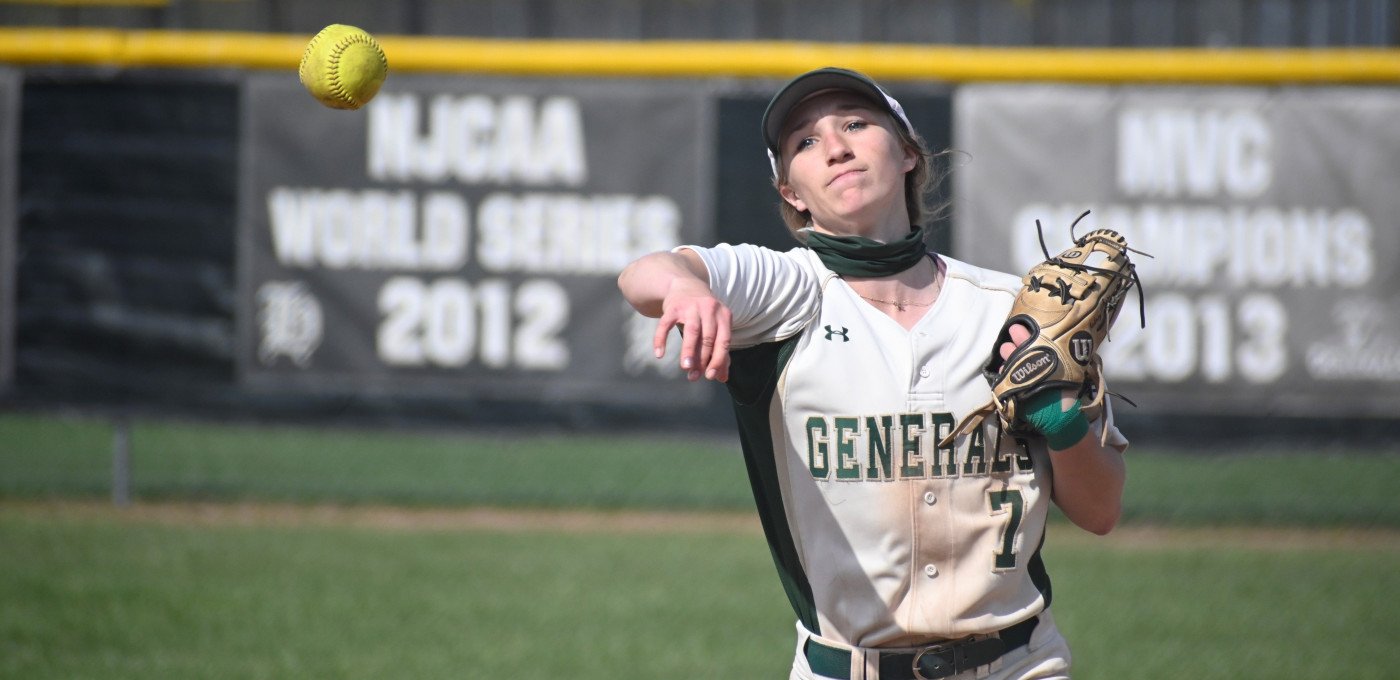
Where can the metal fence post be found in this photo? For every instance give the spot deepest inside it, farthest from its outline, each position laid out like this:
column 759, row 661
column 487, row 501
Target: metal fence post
column 121, row 462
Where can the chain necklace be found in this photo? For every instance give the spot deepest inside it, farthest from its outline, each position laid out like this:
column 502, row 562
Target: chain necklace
column 900, row 305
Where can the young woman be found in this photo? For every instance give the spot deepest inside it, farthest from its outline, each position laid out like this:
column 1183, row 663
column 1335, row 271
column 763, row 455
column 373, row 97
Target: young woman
column 848, row 359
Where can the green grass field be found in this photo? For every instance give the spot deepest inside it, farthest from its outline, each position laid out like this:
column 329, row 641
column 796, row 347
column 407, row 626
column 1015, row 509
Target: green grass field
column 110, row 599
column 106, row 595
column 290, row 553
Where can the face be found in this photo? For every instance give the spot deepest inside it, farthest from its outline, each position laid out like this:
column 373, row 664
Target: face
column 845, row 165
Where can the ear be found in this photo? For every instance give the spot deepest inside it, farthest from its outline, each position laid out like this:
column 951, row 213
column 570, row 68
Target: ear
column 792, row 198
column 911, row 158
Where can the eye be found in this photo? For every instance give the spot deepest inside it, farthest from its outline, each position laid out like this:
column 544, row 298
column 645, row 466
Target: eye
column 856, row 125
column 804, row 143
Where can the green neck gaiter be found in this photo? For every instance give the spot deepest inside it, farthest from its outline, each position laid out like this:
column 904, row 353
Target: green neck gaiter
column 860, row 256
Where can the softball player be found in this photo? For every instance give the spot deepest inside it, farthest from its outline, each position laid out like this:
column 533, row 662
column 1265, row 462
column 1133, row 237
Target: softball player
column 848, row 359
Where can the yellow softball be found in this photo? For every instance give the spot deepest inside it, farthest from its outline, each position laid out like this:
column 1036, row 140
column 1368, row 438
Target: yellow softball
column 343, row 67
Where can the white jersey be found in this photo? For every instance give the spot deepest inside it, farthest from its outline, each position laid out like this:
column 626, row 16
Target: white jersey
column 880, row 536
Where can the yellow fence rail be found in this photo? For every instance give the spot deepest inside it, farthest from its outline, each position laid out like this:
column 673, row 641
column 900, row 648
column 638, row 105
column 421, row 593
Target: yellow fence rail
column 90, row 3
column 196, row 49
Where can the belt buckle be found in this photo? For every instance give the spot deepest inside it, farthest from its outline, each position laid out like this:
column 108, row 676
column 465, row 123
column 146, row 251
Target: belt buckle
column 942, row 660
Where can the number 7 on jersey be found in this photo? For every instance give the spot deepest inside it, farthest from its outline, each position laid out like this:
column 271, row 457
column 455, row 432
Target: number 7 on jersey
column 1007, row 501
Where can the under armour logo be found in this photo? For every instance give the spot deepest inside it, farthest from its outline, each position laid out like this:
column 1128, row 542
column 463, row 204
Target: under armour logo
column 832, row 331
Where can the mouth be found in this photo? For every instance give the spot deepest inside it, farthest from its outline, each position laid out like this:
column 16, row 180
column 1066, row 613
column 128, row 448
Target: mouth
column 844, row 175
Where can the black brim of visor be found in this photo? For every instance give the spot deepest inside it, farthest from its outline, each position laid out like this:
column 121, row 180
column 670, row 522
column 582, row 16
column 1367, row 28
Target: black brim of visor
column 809, row 83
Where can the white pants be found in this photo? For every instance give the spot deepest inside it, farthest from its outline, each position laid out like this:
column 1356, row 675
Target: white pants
column 1045, row 657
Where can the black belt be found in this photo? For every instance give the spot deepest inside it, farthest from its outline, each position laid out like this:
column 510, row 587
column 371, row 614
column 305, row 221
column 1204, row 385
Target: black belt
column 925, row 663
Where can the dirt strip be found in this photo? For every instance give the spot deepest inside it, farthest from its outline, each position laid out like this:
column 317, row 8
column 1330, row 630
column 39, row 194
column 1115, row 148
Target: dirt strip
column 1138, row 537
column 259, row 514
column 393, row 518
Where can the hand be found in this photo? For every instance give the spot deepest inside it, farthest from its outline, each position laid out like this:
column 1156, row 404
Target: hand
column 705, row 330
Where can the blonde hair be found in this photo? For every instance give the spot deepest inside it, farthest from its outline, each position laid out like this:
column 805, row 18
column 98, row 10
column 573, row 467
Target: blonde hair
column 918, row 183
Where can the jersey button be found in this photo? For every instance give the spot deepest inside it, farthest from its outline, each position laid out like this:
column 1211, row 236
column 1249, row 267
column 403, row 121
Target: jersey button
column 923, row 371
column 930, row 570
column 930, row 498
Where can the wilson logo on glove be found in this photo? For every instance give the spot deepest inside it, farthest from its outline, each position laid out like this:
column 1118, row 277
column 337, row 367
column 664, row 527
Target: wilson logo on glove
column 1033, row 367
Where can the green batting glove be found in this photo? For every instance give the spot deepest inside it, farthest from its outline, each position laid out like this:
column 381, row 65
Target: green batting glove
column 1061, row 428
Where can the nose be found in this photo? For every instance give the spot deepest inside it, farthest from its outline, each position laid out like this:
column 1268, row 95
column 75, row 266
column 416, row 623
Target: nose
column 837, row 150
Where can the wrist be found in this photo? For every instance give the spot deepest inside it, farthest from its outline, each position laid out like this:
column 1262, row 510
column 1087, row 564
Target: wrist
column 688, row 285
column 1061, row 427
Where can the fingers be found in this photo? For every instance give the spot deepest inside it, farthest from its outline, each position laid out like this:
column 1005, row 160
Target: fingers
column 690, row 343
column 713, row 357
column 705, row 345
column 663, row 330
column 717, row 368
column 705, row 335
column 1019, row 335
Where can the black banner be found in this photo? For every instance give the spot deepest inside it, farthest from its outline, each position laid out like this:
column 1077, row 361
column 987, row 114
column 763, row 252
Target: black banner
column 11, row 84
column 1271, row 213
column 464, row 236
